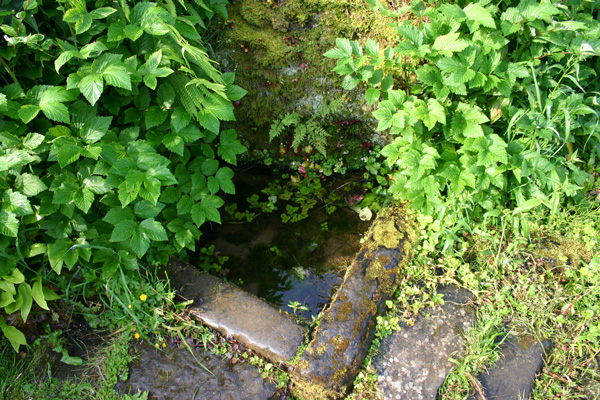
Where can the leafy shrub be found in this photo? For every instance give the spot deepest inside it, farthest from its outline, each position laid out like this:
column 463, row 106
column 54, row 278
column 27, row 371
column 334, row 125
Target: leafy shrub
column 493, row 108
column 111, row 145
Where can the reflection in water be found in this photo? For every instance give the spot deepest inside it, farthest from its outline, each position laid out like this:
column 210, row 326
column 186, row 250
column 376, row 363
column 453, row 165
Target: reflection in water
column 289, row 262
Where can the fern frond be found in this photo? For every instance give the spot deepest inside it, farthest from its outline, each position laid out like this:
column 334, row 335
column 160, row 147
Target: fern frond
column 278, row 126
column 317, row 136
column 300, row 134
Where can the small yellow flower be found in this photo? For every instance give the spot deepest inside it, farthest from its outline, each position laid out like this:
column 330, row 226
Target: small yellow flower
column 136, row 335
column 156, row 344
column 129, row 306
column 143, row 297
column 164, row 345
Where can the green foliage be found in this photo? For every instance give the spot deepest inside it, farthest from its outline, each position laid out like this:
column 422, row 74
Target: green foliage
column 111, row 145
column 492, row 108
column 310, row 132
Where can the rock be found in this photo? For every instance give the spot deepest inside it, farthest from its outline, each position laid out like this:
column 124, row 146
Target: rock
column 328, row 366
column 513, row 376
column 413, row 363
column 232, row 311
column 173, row 374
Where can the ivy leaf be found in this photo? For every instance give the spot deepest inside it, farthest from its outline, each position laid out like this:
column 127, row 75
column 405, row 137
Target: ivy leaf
column 230, row 146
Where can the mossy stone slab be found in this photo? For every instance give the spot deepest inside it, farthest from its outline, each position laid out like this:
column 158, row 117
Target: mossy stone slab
column 174, row 374
column 413, row 362
column 236, row 313
column 513, row 376
column 328, row 366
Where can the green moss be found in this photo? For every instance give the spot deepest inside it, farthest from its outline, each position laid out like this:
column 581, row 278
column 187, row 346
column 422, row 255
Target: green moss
column 343, row 311
column 277, row 52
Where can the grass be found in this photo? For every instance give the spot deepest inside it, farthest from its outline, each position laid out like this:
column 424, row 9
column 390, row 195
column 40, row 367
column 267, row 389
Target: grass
column 547, row 285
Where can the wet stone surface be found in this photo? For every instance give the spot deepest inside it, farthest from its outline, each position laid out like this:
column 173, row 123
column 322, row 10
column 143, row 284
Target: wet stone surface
column 236, row 313
column 413, row 362
column 333, row 358
column 513, row 376
column 173, row 374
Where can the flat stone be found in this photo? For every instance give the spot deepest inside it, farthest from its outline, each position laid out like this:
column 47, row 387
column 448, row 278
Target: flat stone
column 236, row 313
column 413, row 362
column 174, row 374
column 513, row 376
column 328, row 366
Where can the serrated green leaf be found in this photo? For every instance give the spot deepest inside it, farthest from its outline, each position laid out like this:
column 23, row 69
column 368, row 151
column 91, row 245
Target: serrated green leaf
column 180, row 119
column 209, row 166
column 153, row 230
column 95, row 128
column 9, row 225
column 174, row 143
column 67, row 154
column 155, row 116
column 29, row 184
column 170, row 195
column 350, row 82
column 133, row 32
column 91, row 86
column 235, row 92
column 478, row 15
column 116, row 215
column 37, row 292
column 55, row 111
column 28, row 112
column 230, row 146
column 123, row 231
column 372, row 95
column 140, row 243
column 117, row 76
column 146, row 209
column 83, row 199
column 16, row 203
column 449, row 44
column 184, row 205
column 223, row 177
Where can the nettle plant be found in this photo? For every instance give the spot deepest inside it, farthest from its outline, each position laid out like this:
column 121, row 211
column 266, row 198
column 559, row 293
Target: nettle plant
column 111, row 149
column 493, row 108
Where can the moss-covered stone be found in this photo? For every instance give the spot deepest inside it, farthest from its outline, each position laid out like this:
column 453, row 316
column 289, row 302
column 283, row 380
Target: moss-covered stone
column 334, row 356
column 276, row 49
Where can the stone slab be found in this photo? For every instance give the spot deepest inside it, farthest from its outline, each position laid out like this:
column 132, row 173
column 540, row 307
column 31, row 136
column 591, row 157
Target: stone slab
column 328, row 366
column 513, row 376
column 236, row 313
column 413, row 363
column 173, row 374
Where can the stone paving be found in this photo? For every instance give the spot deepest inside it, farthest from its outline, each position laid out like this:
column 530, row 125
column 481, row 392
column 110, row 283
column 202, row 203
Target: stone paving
column 412, row 363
